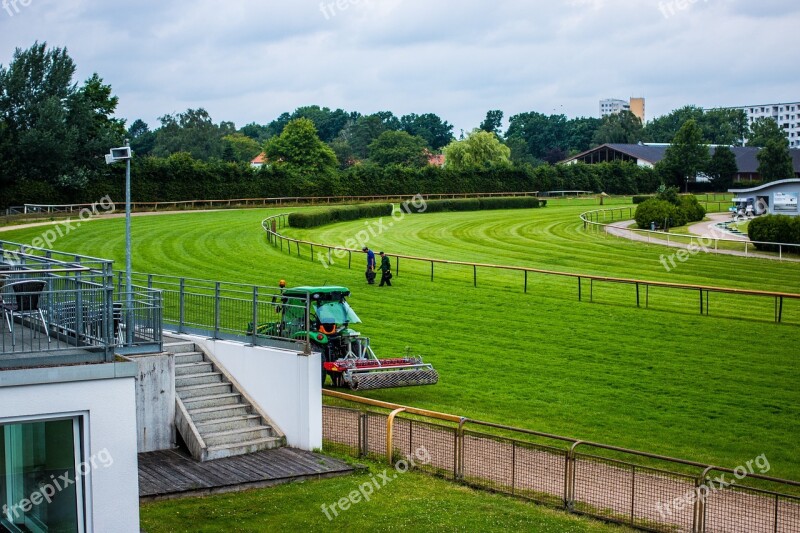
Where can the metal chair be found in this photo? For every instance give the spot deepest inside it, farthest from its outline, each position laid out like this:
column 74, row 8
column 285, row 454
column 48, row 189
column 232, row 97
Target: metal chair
column 27, row 297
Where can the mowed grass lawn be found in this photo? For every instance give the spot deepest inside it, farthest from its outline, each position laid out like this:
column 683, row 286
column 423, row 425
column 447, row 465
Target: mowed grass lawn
column 721, row 389
column 410, row 502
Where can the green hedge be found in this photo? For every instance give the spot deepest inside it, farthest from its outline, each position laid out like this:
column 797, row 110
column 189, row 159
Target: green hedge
column 774, row 228
column 320, row 217
column 640, row 199
column 477, row 204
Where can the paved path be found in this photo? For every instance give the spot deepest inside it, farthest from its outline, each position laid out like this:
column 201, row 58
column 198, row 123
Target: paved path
column 620, row 229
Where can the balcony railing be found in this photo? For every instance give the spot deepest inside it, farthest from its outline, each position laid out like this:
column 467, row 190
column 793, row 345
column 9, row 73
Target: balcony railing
column 60, row 308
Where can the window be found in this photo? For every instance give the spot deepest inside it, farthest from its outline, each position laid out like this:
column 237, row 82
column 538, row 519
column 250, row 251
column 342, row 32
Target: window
column 39, row 488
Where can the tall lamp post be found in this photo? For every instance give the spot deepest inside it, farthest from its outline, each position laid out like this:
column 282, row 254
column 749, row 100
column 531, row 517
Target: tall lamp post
column 116, row 155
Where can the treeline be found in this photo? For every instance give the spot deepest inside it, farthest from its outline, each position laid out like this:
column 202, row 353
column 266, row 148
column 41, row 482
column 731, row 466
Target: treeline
column 180, row 177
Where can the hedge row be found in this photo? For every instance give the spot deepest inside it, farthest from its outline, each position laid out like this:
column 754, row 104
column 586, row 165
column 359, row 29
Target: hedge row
column 476, row 204
column 640, row 199
column 775, row 228
column 320, row 217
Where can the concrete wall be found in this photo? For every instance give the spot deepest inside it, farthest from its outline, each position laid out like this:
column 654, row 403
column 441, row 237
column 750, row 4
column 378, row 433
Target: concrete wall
column 285, row 384
column 155, row 402
column 109, row 408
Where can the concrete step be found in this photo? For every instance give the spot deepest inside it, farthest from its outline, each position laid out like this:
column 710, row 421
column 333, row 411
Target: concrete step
column 181, row 369
column 220, row 452
column 214, row 400
column 228, row 424
column 215, row 413
column 189, row 357
column 206, row 378
column 209, row 389
column 236, row 436
column 179, row 346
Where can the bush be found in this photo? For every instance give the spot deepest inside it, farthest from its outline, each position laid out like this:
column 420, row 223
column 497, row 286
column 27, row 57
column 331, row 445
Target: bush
column 654, row 210
column 691, row 208
column 320, row 217
column 640, row 199
column 774, row 228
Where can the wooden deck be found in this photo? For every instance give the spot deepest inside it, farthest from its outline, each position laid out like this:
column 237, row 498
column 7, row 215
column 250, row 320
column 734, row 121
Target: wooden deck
column 174, row 474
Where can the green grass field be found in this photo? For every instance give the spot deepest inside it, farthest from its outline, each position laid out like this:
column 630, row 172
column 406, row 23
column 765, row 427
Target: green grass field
column 411, row 502
column 720, row 389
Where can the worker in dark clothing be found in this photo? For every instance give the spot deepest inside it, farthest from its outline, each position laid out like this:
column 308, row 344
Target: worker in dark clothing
column 386, row 270
column 370, row 265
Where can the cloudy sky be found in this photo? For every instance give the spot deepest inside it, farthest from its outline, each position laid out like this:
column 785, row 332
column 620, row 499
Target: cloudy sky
column 248, row 61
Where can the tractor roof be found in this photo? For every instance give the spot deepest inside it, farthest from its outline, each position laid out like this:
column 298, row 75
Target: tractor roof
column 336, row 292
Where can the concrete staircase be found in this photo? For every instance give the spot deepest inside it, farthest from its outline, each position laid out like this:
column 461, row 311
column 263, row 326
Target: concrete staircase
column 213, row 414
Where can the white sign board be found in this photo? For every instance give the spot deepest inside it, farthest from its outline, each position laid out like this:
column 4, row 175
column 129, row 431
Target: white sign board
column 785, row 202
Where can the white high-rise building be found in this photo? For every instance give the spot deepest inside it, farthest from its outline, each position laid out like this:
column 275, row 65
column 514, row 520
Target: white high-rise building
column 787, row 116
column 610, row 106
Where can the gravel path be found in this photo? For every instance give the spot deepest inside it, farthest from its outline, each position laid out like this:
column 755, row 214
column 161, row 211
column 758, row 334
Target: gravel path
column 621, row 229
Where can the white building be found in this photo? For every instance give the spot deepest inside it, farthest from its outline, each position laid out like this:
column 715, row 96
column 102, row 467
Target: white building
column 787, row 115
column 611, row 106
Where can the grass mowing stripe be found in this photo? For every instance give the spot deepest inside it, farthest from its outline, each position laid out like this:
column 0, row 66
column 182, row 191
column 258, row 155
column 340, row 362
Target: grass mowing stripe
column 720, row 389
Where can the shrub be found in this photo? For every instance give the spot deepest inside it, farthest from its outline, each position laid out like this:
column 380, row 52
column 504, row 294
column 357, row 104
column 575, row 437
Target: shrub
column 691, row 208
column 640, row 199
column 774, row 228
column 320, row 217
column 654, row 210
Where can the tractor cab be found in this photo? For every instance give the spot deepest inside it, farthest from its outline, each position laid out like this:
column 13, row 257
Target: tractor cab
column 346, row 356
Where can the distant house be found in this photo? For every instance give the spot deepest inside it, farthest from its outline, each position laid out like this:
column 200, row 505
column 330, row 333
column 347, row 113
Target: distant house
column 647, row 155
column 436, row 160
column 259, row 161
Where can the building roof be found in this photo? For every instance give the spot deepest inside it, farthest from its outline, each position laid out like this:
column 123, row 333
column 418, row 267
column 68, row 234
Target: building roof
column 746, row 156
column 260, row 159
column 766, row 186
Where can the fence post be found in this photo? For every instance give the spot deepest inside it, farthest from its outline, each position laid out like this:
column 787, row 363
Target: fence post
column 397, row 266
column 459, row 450
column 363, row 444
column 526, row 282
column 216, row 309
column 474, row 276
column 181, row 305
column 255, row 314
column 431, row 270
column 390, row 433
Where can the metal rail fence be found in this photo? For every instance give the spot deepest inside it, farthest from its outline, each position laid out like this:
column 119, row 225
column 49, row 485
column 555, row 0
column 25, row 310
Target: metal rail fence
column 642, row 490
column 62, row 308
column 600, row 219
column 231, row 311
column 330, row 254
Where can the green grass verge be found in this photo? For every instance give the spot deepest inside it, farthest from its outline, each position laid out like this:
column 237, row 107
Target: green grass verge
column 410, row 502
column 720, row 389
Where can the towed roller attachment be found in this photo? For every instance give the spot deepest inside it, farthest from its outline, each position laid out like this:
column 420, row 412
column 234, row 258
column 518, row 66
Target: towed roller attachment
column 387, row 379
column 374, row 374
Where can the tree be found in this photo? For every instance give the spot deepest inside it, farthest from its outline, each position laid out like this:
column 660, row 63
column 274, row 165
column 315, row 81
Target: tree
column 663, row 129
column 493, row 122
column 192, row 132
column 398, row 148
column 623, row 127
column 686, row 157
column 436, row 132
column 480, row 150
column 240, row 147
column 774, row 160
column 763, row 130
column 360, row 133
column 53, row 130
column 722, row 168
column 142, row 139
column 310, row 163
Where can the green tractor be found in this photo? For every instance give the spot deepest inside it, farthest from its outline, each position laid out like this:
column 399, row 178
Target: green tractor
column 347, row 357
